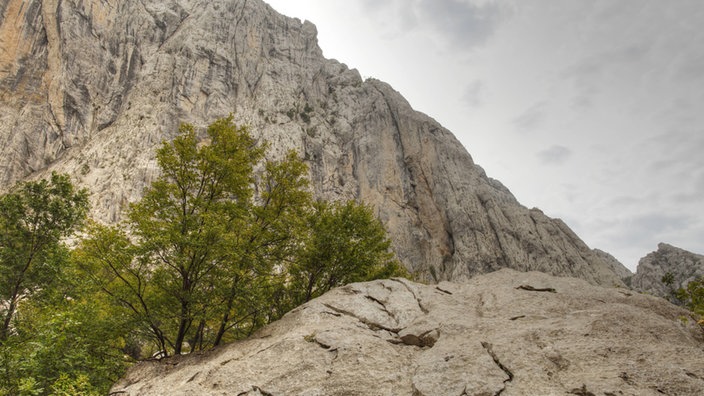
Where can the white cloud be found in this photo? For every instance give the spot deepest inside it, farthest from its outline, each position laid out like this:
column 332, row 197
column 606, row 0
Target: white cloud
column 531, row 118
column 473, row 94
column 555, row 155
column 462, row 23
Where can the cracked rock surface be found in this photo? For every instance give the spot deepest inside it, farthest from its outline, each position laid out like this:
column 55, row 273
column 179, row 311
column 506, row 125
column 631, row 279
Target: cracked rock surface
column 489, row 336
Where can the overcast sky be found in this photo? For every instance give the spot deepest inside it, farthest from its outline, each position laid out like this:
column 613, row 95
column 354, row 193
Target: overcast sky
column 591, row 110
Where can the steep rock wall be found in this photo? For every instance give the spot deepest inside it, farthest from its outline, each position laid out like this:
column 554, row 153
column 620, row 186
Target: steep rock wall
column 92, row 87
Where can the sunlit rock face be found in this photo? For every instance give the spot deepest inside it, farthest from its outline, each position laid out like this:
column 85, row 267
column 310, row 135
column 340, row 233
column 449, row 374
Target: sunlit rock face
column 92, row 87
column 681, row 265
column 508, row 333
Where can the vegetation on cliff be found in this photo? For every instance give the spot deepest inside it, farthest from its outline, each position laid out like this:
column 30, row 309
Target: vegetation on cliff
column 220, row 244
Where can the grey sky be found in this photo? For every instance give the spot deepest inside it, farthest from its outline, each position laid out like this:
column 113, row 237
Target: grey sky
column 589, row 110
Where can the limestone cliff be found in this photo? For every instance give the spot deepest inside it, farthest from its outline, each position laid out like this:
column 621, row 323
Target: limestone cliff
column 91, row 87
column 684, row 267
column 504, row 333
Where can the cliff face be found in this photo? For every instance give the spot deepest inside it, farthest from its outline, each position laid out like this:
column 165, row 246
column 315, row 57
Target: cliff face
column 505, row 333
column 91, row 87
column 684, row 267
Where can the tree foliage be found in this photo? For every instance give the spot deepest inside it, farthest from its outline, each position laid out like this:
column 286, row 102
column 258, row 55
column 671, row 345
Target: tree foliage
column 221, row 243
column 346, row 244
column 224, row 242
column 692, row 295
column 71, row 338
column 33, row 220
column 54, row 334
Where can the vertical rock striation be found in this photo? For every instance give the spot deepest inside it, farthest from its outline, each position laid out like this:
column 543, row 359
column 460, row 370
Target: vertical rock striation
column 91, row 87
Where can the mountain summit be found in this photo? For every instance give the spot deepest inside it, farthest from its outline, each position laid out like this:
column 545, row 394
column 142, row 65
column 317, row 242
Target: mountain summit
column 92, row 87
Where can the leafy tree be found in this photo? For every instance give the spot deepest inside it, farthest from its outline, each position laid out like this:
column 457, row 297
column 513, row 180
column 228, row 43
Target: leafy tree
column 70, row 338
column 33, row 220
column 184, row 221
column 224, row 242
column 693, row 296
column 55, row 333
column 265, row 245
column 204, row 248
column 347, row 244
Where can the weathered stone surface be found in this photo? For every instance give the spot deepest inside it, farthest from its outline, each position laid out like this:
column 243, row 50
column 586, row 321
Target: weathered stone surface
column 92, row 87
column 507, row 333
column 683, row 265
column 619, row 269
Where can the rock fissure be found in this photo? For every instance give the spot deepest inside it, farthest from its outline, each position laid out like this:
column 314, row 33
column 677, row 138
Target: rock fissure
column 370, row 324
column 383, row 306
column 425, row 339
column 258, row 392
column 490, row 350
column 536, row 289
column 322, row 344
column 413, row 293
column 443, row 290
column 582, row 391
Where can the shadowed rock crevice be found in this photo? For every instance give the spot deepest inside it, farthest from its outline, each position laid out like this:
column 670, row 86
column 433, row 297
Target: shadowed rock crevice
column 369, row 323
column 537, row 289
column 490, row 350
column 410, row 290
column 256, row 391
column 582, row 391
column 382, row 305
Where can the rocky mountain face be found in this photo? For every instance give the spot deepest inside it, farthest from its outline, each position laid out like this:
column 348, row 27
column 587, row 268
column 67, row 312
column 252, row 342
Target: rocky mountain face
column 92, row 87
column 507, row 333
column 684, row 267
column 615, row 265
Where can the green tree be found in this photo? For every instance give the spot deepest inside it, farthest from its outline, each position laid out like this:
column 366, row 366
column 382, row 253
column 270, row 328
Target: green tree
column 224, row 242
column 205, row 250
column 692, row 296
column 347, row 244
column 70, row 338
column 55, row 331
column 267, row 242
column 668, row 279
column 34, row 218
column 184, row 219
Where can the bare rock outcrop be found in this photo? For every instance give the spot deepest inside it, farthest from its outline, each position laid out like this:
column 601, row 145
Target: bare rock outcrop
column 684, row 266
column 92, row 87
column 616, row 266
column 507, row 333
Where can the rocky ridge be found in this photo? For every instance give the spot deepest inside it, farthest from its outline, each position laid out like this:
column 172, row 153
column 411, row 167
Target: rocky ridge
column 619, row 269
column 505, row 333
column 92, row 87
column 684, row 266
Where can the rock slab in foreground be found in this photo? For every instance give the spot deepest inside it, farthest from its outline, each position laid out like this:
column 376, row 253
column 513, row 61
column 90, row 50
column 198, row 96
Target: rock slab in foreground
column 507, row 333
